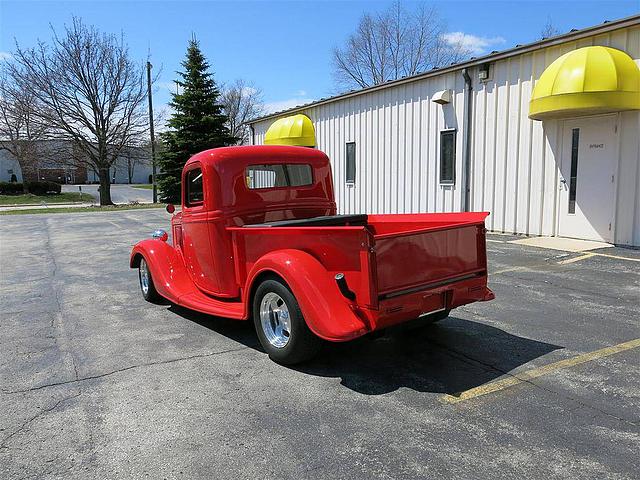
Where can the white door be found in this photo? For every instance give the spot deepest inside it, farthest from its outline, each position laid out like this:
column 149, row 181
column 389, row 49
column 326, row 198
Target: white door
column 587, row 178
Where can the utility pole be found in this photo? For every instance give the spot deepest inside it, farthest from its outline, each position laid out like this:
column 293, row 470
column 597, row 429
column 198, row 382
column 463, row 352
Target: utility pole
column 153, row 136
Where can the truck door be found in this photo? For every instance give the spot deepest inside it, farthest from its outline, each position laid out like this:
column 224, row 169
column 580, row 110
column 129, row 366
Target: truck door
column 196, row 246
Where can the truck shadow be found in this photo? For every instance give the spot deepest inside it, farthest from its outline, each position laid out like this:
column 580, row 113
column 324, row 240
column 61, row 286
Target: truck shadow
column 449, row 357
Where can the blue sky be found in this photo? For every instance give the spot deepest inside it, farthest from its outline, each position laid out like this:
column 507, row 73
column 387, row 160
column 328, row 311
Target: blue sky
column 283, row 47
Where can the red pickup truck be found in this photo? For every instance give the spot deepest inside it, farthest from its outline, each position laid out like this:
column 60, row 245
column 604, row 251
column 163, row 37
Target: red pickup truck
column 258, row 237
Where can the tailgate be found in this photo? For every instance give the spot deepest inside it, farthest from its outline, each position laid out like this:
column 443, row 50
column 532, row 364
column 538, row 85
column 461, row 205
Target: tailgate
column 419, row 260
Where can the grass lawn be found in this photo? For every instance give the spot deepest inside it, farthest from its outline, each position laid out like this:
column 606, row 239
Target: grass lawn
column 144, row 187
column 65, row 197
column 110, row 208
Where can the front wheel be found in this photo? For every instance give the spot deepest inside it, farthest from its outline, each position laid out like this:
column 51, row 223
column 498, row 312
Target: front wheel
column 147, row 287
column 280, row 326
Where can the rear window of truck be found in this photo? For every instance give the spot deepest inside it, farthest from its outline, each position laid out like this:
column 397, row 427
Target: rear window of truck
column 195, row 193
column 278, row 175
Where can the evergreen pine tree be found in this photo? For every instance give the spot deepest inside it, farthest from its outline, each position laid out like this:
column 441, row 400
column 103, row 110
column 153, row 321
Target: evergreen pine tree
column 198, row 122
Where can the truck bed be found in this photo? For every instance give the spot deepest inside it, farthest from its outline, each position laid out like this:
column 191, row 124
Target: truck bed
column 382, row 256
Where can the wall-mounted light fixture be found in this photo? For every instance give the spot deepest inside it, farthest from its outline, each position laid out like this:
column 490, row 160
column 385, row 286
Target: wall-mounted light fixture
column 483, row 72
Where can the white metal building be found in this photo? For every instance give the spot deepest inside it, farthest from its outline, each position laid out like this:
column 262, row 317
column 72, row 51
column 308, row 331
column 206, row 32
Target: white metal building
column 562, row 160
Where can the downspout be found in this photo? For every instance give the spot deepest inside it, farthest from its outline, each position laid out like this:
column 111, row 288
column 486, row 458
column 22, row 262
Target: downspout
column 466, row 139
column 253, row 134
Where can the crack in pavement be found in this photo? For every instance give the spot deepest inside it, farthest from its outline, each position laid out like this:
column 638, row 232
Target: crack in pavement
column 25, row 425
column 124, row 369
column 47, row 246
column 58, row 313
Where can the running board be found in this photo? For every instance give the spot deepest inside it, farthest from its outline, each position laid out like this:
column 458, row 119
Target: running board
column 200, row 302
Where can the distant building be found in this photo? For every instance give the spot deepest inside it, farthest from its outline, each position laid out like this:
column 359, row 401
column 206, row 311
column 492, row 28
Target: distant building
column 545, row 136
column 132, row 166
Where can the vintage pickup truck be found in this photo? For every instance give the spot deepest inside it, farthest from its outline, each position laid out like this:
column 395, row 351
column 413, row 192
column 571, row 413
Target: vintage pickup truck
column 258, row 238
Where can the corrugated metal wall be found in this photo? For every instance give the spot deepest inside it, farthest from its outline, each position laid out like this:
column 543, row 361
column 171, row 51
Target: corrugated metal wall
column 514, row 160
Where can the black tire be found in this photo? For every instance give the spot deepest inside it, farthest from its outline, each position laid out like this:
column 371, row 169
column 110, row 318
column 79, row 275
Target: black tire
column 301, row 343
column 150, row 294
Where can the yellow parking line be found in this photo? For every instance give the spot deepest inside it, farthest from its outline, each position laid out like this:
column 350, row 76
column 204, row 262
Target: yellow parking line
column 616, row 257
column 575, row 259
column 518, row 378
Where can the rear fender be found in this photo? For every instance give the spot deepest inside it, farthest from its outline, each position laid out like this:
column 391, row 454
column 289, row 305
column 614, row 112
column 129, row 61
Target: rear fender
column 170, row 276
column 326, row 311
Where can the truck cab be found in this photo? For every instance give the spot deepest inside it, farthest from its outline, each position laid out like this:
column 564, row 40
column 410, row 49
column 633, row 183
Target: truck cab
column 258, row 238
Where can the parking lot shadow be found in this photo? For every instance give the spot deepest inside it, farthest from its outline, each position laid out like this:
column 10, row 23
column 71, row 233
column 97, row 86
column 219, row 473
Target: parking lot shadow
column 449, row 357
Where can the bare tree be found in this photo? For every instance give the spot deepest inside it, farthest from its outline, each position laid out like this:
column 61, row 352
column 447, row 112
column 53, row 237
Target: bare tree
column 90, row 91
column 20, row 129
column 242, row 101
column 549, row 30
column 393, row 44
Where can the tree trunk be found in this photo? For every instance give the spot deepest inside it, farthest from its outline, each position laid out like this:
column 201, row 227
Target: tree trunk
column 105, row 187
column 130, row 170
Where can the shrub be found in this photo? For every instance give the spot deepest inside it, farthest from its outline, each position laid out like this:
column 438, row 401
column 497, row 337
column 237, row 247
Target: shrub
column 10, row 188
column 42, row 188
column 34, row 188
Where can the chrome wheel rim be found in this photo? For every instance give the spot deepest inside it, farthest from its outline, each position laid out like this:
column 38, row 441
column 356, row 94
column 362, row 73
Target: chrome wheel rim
column 144, row 276
column 275, row 320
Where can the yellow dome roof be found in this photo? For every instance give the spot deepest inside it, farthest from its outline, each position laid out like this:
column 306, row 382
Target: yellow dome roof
column 585, row 81
column 293, row 130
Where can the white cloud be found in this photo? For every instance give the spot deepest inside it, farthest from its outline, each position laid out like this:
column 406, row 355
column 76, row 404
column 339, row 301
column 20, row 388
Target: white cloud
column 300, row 93
column 277, row 106
column 475, row 45
column 5, row 56
column 249, row 90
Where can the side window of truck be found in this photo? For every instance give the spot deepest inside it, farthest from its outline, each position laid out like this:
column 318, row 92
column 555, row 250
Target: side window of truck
column 194, row 190
column 278, row 175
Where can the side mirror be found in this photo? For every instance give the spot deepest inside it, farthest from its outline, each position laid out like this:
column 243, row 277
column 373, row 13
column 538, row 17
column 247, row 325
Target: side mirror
column 170, row 208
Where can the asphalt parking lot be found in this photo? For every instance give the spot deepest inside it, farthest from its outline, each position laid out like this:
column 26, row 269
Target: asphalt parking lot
column 543, row 382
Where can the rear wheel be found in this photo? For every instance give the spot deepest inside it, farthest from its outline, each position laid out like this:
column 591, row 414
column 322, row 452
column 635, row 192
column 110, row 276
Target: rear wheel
column 147, row 287
column 280, row 326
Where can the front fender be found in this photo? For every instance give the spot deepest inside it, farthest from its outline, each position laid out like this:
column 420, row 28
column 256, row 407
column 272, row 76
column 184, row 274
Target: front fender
column 170, row 276
column 326, row 311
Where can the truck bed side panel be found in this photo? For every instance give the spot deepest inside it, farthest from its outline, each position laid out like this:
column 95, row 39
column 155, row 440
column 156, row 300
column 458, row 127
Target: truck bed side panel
column 338, row 249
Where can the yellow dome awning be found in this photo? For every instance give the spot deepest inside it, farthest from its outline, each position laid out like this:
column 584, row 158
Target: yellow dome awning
column 586, row 81
column 293, row 130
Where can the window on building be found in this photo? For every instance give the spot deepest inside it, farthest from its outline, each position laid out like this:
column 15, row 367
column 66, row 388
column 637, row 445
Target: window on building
column 278, row 175
column 448, row 157
column 195, row 193
column 350, row 164
column 573, row 179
